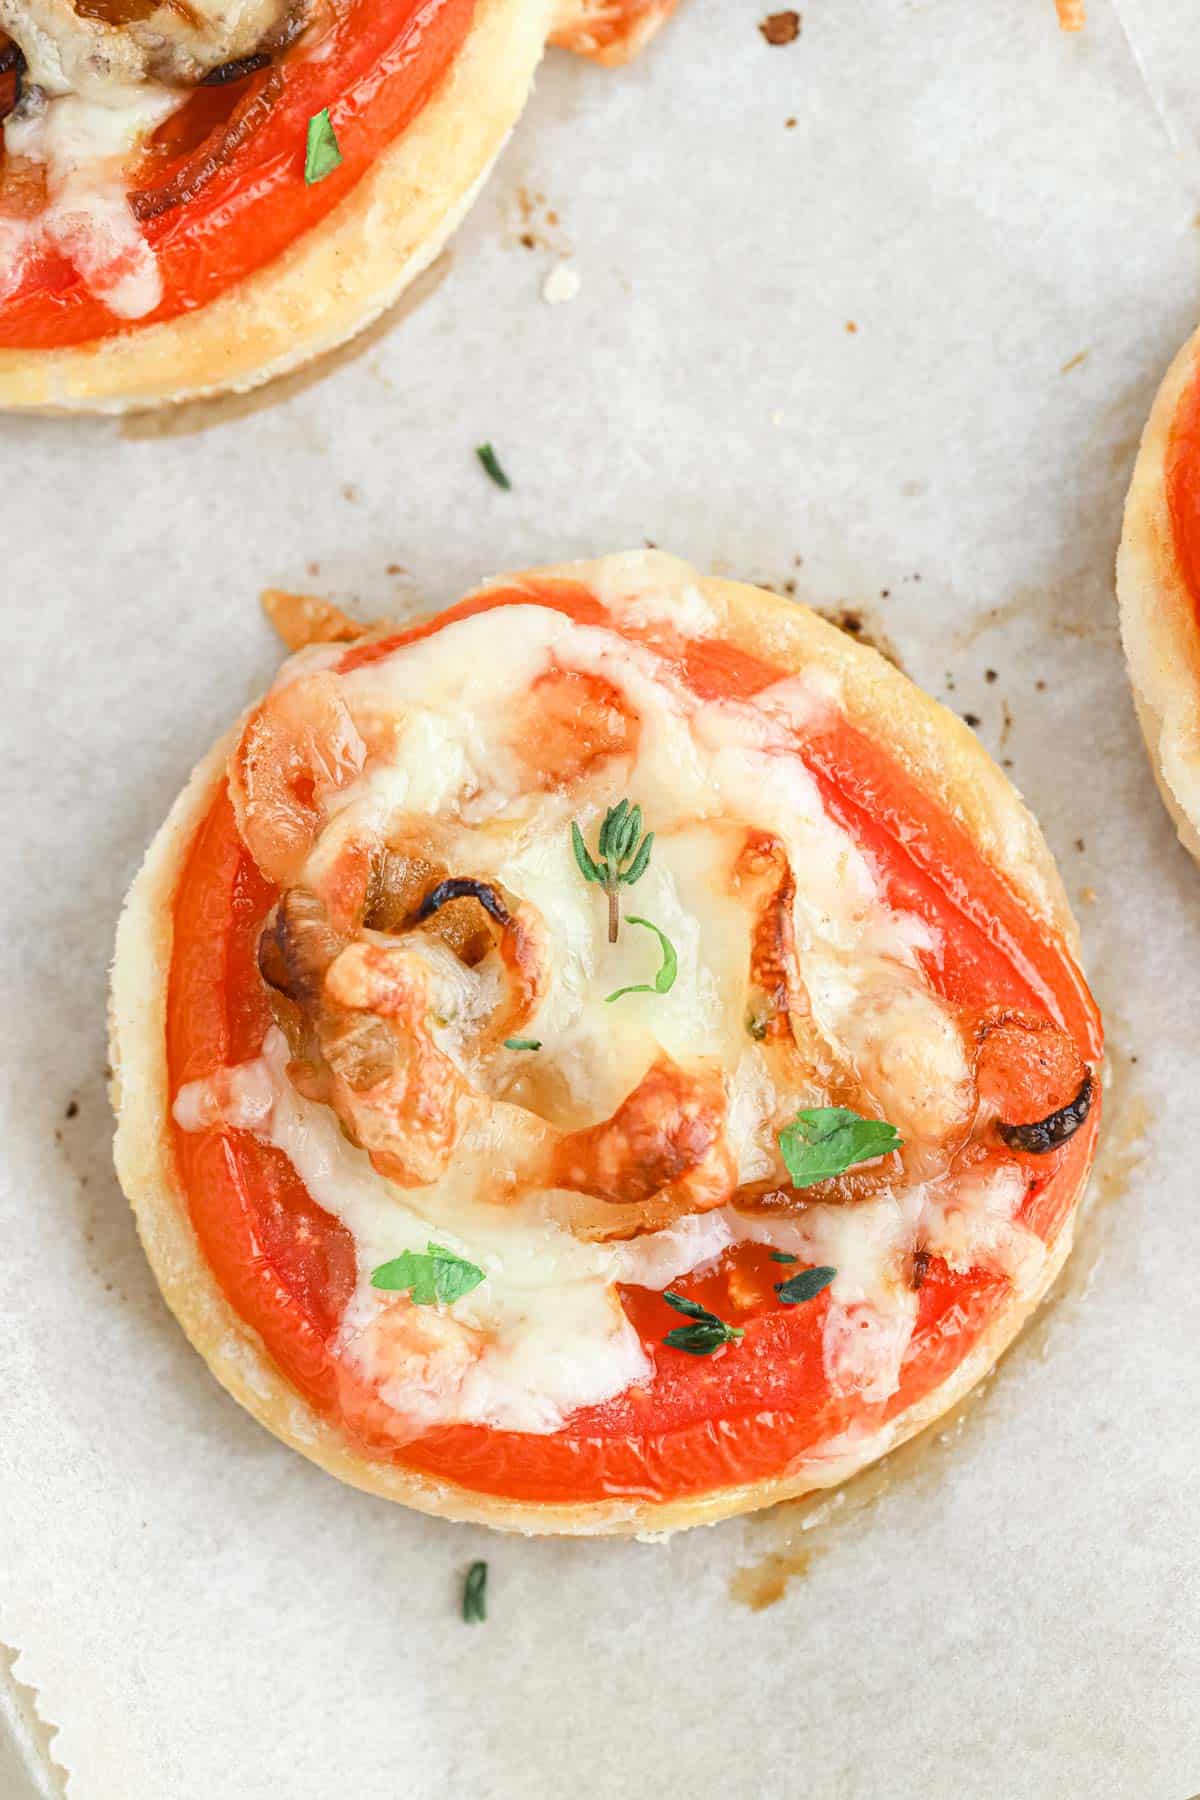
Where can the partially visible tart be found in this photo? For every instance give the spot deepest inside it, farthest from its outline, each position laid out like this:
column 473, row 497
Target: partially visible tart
column 1158, row 590
column 606, row 1057
column 196, row 198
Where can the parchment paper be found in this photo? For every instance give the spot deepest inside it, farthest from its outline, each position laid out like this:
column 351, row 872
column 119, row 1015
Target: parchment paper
column 897, row 353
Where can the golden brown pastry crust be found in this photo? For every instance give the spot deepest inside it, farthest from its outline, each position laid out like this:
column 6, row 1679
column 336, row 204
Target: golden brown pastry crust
column 609, row 31
column 336, row 278
column 932, row 745
column 1159, row 627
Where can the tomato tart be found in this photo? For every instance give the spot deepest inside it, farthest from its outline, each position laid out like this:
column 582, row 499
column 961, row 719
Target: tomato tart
column 1158, row 590
column 605, row 1057
column 196, row 195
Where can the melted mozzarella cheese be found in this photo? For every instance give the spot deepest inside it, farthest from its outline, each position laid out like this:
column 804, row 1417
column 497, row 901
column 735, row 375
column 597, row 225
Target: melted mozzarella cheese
column 86, row 145
column 545, row 1333
column 701, row 768
column 648, row 588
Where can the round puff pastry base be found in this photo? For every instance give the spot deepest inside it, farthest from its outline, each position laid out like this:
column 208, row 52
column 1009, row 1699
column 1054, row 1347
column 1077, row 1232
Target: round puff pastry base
column 932, row 745
column 1159, row 626
column 336, row 278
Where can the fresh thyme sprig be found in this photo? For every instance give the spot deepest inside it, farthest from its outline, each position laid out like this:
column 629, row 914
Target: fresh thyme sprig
column 707, row 1334
column 474, row 1600
column 664, row 981
column 620, row 859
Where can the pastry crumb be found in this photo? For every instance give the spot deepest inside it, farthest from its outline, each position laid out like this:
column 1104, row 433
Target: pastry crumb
column 781, row 27
column 561, row 284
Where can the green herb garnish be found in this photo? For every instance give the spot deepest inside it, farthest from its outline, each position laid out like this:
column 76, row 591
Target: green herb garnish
column 522, row 1043
column 474, row 1602
column 620, row 859
column 664, row 981
column 491, row 463
column 805, row 1286
column 432, row 1276
column 783, row 1256
column 706, row 1334
column 823, row 1140
column 321, row 152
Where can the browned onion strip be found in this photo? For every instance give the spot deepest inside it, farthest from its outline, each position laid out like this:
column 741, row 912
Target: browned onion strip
column 297, row 946
column 225, row 73
column 776, row 991
column 247, row 117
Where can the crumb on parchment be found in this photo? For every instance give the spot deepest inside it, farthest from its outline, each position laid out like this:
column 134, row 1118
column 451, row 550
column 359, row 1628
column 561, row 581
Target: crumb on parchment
column 303, row 619
column 561, row 284
column 781, row 27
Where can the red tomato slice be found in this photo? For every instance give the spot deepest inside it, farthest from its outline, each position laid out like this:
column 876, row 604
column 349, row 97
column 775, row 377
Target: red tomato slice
column 698, row 1423
column 380, row 63
column 1183, row 488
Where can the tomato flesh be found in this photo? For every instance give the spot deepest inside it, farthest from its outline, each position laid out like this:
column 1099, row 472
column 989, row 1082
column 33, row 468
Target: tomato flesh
column 699, row 1423
column 380, row 63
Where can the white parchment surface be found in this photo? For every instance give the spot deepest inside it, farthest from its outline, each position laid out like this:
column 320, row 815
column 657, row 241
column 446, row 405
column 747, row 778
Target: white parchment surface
column 880, row 313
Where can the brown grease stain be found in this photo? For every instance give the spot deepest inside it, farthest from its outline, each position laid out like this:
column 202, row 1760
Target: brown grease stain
column 854, row 620
column 535, row 224
column 795, row 1533
column 1076, row 606
column 856, row 623
column 191, row 416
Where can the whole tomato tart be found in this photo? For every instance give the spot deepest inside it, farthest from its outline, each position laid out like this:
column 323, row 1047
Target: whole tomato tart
column 1158, row 588
column 195, row 197
column 606, row 1057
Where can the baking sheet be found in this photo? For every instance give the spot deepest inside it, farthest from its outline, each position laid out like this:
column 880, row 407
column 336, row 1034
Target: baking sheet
column 897, row 353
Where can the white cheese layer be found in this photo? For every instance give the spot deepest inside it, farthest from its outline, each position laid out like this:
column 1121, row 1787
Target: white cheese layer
column 86, row 145
column 545, row 1333
column 542, row 1335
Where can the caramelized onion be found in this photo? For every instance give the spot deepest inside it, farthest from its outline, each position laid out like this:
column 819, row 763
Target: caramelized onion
column 12, row 68
column 669, row 1131
column 296, row 947
column 219, row 148
column 237, row 70
column 776, row 990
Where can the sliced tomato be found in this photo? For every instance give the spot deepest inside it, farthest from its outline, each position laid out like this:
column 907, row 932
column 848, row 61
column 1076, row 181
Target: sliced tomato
column 1183, row 487
column 233, row 158
column 699, row 1423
